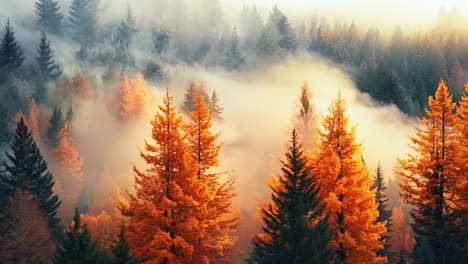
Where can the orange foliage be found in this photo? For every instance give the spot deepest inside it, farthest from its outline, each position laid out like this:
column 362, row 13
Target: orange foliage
column 215, row 200
column 132, row 99
column 81, row 87
column 162, row 227
column 397, row 237
column 432, row 181
column 346, row 189
column 32, row 120
column 68, row 173
column 103, row 229
column 462, row 158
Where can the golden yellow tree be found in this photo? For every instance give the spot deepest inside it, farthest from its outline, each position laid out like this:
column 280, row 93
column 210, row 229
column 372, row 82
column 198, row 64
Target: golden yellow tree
column 125, row 98
column 162, row 227
column 139, row 95
column 346, row 189
column 431, row 180
column 462, row 158
column 68, row 169
column 131, row 99
column 215, row 204
column 103, row 229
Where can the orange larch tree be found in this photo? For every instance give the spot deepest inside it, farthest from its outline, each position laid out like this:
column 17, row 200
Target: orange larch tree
column 125, row 99
column 81, row 86
column 68, row 169
column 103, row 229
column 162, row 227
column 216, row 203
column 431, row 180
column 139, row 95
column 462, row 158
column 346, row 190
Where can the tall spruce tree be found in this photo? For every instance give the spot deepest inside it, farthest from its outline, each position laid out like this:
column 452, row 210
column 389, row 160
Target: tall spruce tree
column 234, row 57
column 294, row 230
column 50, row 18
column 385, row 214
column 27, row 171
column 215, row 108
column 433, row 182
column 11, row 53
column 121, row 250
column 77, row 247
column 127, row 29
column 48, row 68
column 83, row 20
column 286, row 36
column 56, row 123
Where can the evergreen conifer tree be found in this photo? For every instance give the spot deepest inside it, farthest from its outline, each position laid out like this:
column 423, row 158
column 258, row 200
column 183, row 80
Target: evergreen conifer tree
column 11, row 53
column 76, row 247
column 56, row 123
column 82, row 20
column 121, row 251
column 385, row 214
column 294, row 229
column 26, row 170
column 50, row 18
column 48, row 68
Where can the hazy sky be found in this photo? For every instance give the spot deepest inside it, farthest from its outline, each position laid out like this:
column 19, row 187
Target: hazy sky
column 382, row 12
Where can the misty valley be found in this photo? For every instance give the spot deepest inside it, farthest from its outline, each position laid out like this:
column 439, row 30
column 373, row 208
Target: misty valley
column 218, row 131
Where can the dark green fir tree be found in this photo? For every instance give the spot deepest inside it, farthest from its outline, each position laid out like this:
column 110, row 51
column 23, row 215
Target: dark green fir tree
column 121, row 251
column 50, row 18
column 26, row 170
column 294, row 227
column 77, row 246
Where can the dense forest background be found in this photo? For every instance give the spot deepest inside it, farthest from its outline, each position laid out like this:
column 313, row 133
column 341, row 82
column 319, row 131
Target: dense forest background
column 87, row 75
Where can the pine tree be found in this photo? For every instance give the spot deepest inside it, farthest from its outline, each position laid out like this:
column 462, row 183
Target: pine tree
column 191, row 92
column 306, row 121
column 216, row 109
column 127, row 29
column 215, row 203
column 81, row 89
column 48, row 68
column 56, row 123
column 140, row 96
column 234, row 57
column 50, row 18
column 294, row 227
column 121, row 250
column 76, row 247
column 83, row 20
column 385, row 215
column 68, row 169
column 162, row 227
column 267, row 46
column 11, row 53
column 462, row 128
column 346, row 188
column 432, row 181
column 27, row 171
column 125, row 99
column 286, row 37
